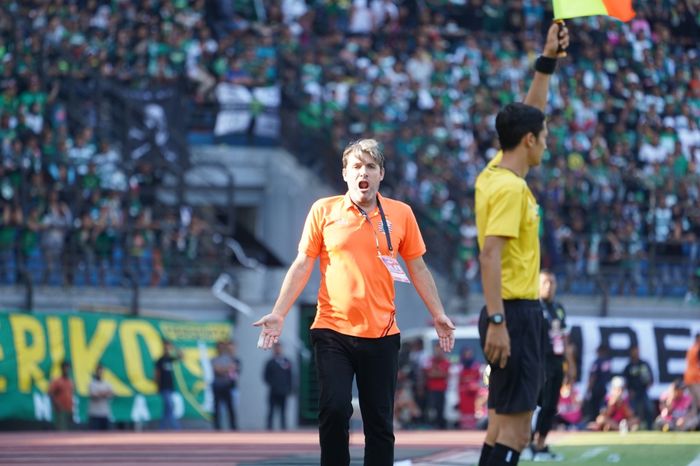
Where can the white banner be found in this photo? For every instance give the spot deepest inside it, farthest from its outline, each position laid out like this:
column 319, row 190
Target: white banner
column 236, row 103
column 662, row 343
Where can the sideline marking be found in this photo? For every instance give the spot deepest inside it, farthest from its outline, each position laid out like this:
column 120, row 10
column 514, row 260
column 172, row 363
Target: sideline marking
column 592, row 453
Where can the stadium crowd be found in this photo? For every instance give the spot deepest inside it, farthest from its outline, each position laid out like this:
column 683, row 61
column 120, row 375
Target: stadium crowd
column 619, row 189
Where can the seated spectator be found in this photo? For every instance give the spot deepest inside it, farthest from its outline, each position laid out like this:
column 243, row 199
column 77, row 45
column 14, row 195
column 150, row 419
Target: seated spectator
column 617, row 414
column 406, row 410
column 674, row 407
column 570, row 406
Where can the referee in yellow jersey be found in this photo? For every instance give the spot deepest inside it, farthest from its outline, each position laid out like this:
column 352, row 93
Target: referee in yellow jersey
column 507, row 219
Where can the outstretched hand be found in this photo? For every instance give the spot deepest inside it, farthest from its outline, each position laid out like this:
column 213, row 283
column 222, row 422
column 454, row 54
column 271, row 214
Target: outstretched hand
column 557, row 40
column 271, row 330
column 446, row 332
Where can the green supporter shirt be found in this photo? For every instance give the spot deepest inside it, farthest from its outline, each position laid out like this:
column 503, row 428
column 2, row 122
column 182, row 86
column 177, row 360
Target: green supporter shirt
column 30, row 98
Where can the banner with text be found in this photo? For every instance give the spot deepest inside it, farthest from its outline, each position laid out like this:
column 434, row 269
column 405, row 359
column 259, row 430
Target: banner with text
column 663, row 343
column 33, row 346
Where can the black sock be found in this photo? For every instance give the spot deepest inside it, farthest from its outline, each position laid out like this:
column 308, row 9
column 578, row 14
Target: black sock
column 503, row 456
column 485, row 454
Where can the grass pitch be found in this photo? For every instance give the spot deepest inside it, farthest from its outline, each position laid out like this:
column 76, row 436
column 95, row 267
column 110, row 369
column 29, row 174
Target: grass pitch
column 633, row 449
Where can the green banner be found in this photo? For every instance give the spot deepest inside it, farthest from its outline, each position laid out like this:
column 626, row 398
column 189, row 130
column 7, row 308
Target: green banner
column 32, row 347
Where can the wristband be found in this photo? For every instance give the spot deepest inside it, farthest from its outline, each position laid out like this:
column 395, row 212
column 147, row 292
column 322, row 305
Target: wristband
column 545, row 65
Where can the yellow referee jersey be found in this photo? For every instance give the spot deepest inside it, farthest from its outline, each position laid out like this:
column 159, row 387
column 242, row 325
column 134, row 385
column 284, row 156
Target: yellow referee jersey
column 506, row 207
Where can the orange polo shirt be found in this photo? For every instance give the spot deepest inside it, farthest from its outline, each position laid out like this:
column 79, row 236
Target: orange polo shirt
column 356, row 295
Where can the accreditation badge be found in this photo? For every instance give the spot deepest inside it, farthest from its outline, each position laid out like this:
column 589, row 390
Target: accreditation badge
column 394, row 268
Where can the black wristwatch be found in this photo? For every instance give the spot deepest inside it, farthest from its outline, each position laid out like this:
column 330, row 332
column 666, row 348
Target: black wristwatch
column 497, row 318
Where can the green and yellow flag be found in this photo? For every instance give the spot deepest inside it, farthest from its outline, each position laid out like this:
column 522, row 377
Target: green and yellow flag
column 620, row 9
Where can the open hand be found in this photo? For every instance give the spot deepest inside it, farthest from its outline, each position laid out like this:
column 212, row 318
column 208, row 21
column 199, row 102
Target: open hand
column 446, row 332
column 271, row 330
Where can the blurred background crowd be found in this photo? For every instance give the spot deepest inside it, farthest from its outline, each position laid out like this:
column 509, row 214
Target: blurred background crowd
column 618, row 190
column 437, row 391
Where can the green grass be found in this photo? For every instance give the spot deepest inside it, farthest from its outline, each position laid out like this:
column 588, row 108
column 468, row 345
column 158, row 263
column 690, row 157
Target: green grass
column 633, row 449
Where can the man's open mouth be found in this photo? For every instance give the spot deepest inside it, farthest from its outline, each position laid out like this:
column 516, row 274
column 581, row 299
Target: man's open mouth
column 364, row 184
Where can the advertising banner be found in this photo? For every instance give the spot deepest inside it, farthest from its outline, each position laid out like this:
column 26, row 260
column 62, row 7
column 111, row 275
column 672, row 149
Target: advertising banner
column 662, row 343
column 33, row 346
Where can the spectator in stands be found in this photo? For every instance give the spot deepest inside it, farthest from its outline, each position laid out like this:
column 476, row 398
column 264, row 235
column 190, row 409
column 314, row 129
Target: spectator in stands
column 61, row 394
column 164, row 376
column 350, row 336
column 55, row 224
column 99, row 406
column 638, row 379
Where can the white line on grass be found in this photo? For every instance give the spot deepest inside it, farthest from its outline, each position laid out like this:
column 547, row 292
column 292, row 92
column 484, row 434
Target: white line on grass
column 592, row 453
column 696, row 461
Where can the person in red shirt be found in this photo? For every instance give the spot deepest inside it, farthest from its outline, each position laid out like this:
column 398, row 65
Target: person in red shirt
column 469, row 384
column 61, row 394
column 617, row 412
column 437, row 372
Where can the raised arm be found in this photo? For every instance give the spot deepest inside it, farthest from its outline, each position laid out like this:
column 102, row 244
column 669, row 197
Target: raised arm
column 557, row 40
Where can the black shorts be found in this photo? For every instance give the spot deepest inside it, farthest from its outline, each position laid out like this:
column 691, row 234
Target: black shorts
column 516, row 388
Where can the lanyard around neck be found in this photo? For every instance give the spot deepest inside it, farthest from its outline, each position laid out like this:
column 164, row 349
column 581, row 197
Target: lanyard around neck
column 385, row 225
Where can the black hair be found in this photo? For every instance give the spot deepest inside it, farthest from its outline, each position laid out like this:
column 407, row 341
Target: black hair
column 515, row 121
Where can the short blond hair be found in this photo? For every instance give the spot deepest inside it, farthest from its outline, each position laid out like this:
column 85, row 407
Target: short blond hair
column 364, row 146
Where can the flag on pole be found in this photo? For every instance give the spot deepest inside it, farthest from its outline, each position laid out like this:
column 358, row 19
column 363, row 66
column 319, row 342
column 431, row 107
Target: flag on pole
column 620, row 9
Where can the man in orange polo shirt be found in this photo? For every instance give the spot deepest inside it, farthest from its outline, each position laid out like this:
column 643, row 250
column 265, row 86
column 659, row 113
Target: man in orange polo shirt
column 358, row 237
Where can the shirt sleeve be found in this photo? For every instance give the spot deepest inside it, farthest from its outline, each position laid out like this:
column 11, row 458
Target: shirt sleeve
column 505, row 212
column 311, row 240
column 412, row 245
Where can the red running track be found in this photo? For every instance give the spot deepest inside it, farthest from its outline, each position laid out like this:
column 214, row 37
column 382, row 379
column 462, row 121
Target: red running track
column 298, row 448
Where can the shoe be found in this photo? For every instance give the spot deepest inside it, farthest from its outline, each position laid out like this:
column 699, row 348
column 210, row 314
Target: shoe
column 528, row 453
column 546, row 455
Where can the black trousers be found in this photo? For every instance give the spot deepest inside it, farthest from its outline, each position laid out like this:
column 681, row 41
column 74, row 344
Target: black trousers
column 276, row 403
column 374, row 362
column 222, row 395
column 549, row 397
